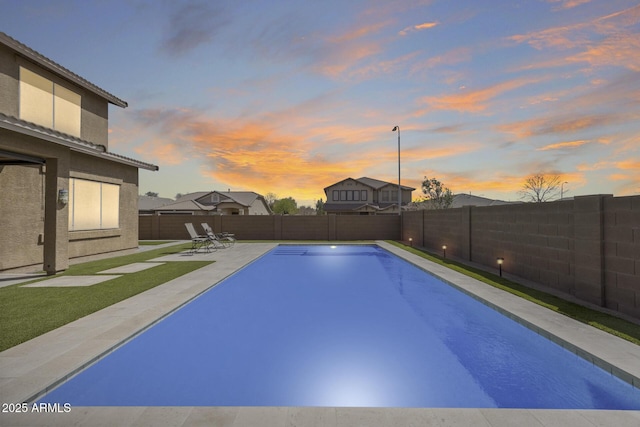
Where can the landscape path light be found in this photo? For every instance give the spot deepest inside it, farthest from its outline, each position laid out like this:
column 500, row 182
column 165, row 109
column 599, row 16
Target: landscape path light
column 444, row 251
column 500, row 260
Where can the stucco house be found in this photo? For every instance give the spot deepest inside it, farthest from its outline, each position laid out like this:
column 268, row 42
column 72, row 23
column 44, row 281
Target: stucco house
column 365, row 196
column 64, row 194
column 217, row 203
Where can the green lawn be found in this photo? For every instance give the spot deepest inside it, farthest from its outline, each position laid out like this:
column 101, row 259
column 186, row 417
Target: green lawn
column 614, row 325
column 26, row 313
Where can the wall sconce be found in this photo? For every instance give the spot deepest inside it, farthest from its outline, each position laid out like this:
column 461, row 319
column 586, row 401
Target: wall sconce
column 411, row 241
column 63, row 196
column 444, row 251
column 500, row 260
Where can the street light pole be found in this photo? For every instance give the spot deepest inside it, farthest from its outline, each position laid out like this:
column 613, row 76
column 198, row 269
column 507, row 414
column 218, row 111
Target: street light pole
column 562, row 189
column 397, row 128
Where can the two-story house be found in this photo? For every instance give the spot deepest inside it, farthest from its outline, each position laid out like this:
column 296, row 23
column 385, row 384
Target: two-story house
column 365, row 196
column 63, row 194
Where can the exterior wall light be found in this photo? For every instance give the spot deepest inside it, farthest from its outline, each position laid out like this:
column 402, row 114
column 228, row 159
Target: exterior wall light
column 444, row 251
column 63, row 196
column 500, row 260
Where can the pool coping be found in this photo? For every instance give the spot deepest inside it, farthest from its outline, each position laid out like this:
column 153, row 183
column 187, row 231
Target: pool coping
column 31, row 368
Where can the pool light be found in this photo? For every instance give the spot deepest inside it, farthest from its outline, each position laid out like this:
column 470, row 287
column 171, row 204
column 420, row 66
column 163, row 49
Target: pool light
column 500, row 260
column 444, row 251
column 333, row 247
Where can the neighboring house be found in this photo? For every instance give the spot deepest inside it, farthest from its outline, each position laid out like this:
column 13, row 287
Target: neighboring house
column 365, row 196
column 146, row 204
column 64, row 194
column 217, row 203
column 461, row 200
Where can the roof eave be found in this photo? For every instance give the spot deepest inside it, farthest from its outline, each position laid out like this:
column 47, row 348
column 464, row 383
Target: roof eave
column 74, row 144
column 58, row 69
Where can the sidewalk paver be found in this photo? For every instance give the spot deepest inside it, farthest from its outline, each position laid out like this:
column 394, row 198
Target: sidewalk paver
column 131, row 268
column 70, row 281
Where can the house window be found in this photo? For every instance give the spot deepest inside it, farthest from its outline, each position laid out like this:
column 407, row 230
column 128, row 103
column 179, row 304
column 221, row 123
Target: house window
column 343, row 195
column 93, row 205
column 394, row 195
column 363, row 195
column 349, row 195
column 385, row 196
column 336, row 195
column 48, row 104
column 356, row 195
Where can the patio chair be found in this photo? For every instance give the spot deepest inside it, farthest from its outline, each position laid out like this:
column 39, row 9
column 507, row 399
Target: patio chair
column 226, row 239
column 198, row 241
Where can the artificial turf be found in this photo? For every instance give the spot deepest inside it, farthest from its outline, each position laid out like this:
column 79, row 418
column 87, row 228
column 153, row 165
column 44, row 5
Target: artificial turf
column 26, row 313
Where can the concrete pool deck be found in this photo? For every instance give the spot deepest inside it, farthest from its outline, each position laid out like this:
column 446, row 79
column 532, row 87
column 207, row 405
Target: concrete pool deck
column 30, row 368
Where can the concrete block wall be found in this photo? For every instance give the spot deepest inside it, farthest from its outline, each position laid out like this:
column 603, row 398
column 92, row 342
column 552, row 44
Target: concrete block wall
column 588, row 247
column 621, row 253
column 275, row 227
column 534, row 240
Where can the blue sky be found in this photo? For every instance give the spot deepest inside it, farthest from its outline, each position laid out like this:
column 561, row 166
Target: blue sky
column 291, row 96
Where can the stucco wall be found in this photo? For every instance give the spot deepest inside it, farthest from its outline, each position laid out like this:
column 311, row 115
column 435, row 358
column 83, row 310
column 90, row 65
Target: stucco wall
column 21, row 215
column 94, row 110
column 588, row 247
column 8, row 82
column 22, row 202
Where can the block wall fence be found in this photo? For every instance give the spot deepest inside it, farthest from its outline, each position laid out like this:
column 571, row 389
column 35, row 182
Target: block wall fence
column 274, row 227
column 588, row 247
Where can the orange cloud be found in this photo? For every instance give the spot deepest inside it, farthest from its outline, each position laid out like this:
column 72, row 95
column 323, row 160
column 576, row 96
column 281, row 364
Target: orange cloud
column 610, row 40
column 475, row 101
column 347, row 50
column 455, row 56
column 559, row 125
column 632, row 164
column 619, row 49
column 561, row 145
column 568, row 4
column 419, row 27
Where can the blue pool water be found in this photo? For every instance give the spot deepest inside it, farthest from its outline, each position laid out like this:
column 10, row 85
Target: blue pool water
column 342, row 326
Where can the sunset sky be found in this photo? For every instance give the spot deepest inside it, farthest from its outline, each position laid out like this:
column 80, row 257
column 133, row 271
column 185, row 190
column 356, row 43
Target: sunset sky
column 290, row 96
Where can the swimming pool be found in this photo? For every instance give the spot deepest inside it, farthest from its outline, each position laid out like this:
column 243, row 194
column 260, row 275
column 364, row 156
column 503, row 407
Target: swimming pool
column 341, row 326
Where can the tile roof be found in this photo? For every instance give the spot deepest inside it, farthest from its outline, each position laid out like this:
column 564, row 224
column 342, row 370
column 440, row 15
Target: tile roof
column 375, row 184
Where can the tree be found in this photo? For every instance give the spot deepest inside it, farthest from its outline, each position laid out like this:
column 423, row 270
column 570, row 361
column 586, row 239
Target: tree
column 540, row 188
column 151, row 194
column 320, row 207
column 436, row 195
column 270, row 198
column 178, row 195
column 286, row 206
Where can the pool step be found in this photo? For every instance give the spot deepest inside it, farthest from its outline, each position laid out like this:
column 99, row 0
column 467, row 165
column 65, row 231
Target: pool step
column 290, row 251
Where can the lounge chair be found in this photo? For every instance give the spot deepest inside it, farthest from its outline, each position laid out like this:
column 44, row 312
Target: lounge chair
column 198, row 241
column 226, row 239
